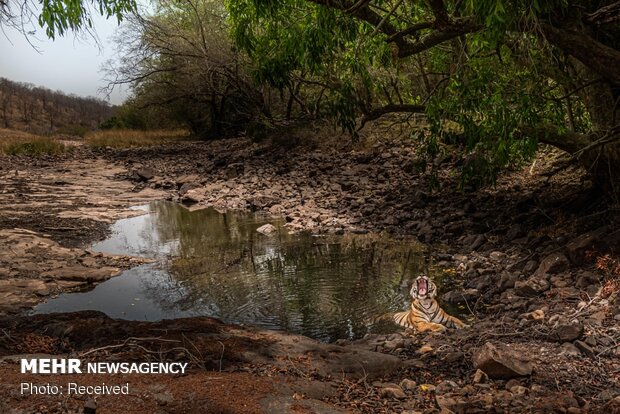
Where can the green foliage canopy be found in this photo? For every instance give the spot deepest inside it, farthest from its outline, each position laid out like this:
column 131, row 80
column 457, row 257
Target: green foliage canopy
column 60, row 16
column 493, row 68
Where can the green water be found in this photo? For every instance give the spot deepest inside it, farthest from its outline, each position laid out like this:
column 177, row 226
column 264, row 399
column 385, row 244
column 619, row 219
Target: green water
column 216, row 264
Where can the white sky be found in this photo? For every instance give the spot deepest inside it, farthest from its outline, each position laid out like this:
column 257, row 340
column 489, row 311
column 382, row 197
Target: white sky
column 69, row 64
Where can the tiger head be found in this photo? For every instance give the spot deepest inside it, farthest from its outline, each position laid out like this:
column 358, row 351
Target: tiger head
column 423, row 288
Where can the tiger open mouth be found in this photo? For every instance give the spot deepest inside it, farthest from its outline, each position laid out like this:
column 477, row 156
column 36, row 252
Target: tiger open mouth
column 422, row 286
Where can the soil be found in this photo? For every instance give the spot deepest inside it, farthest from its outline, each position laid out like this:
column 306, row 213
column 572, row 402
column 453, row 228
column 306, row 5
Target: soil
column 535, row 261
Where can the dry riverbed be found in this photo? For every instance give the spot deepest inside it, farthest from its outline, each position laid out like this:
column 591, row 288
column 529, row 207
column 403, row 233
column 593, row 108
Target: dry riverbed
column 535, row 260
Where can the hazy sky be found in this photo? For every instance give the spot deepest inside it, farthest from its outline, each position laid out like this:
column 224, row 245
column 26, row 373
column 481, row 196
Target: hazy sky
column 69, row 64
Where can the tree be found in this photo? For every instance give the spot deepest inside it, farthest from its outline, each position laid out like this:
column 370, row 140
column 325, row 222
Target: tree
column 508, row 74
column 58, row 17
column 180, row 59
column 7, row 92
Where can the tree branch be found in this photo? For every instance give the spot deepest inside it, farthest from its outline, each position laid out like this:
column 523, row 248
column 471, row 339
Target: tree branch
column 387, row 109
column 605, row 15
column 455, row 29
column 595, row 55
column 410, row 30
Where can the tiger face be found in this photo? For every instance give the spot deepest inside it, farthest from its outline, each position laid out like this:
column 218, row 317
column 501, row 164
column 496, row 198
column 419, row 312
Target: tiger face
column 423, row 288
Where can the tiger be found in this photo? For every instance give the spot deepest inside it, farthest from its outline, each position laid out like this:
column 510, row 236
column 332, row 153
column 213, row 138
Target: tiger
column 425, row 314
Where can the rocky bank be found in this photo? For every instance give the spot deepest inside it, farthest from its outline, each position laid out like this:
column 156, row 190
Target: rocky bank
column 535, row 259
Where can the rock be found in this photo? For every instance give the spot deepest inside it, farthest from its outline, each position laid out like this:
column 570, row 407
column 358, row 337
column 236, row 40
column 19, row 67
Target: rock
column 512, row 383
column 538, row 389
column 597, row 318
column 507, row 280
column 163, row 398
column 552, row 264
column 518, row 390
column 530, row 267
column 586, row 278
column 425, row 349
column 446, row 404
column 261, row 202
column 568, row 332
column 569, row 349
column 578, row 247
column 537, row 315
column 186, row 187
column 497, row 256
column 471, row 273
column 195, row 195
column 267, row 229
column 501, row 363
column 408, row 384
column 612, row 406
column 474, row 242
column 144, row 174
column 394, row 343
column 605, row 395
column 234, row 170
column 452, row 357
column 186, row 179
column 480, row 377
column 532, row 286
column 90, row 406
column 445, row 387
column 276, row 209
column 482, row 283
column 392, row 392
column 585, row 348
column 461, row 296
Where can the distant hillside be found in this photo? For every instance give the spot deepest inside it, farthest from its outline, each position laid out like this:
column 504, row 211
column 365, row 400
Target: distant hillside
column 31, row 108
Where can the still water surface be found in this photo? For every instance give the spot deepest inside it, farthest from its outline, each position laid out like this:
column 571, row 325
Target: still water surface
column 216, row 264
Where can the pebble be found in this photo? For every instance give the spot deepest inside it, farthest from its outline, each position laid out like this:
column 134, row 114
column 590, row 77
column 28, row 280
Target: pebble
column 408, row 384
column 585, row 348
column 392, row 392
column 445, row 387
column 480, row 377
column 424, row 349
column 569, row 349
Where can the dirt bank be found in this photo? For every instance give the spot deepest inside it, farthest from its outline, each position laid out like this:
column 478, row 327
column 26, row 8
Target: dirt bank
column 535, row 260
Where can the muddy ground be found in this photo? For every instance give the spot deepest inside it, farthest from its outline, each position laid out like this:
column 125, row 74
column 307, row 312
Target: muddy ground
column 536, row 258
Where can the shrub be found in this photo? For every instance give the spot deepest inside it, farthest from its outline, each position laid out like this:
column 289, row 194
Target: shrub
column 128, row 138
column 34, row 146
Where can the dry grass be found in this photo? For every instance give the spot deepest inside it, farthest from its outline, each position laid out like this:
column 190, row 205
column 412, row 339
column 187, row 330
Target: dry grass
column 22, row 143
column 128, row 138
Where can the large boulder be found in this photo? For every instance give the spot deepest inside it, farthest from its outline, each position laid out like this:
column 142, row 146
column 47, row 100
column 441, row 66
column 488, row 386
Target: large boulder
column 532, row 286
column 578, row 247
column 144, row 174
column 267, row 229
column 195, row 195
column 501, row 363
column 552, row 264
column 568, row 332
column 461, row 296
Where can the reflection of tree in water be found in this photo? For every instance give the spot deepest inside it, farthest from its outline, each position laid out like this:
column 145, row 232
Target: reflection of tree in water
column 327, row 287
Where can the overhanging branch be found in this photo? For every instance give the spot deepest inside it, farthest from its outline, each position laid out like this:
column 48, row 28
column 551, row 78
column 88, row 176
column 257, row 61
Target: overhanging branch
column 391, row 108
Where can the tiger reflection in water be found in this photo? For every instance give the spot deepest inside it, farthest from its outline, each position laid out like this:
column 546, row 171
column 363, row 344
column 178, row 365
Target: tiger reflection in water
column 425, row 313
